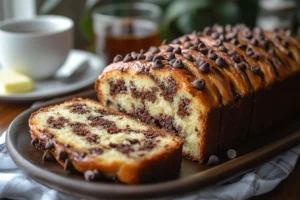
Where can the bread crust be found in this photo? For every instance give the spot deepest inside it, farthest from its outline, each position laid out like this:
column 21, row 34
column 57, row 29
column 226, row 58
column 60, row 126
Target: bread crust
column 159, row 166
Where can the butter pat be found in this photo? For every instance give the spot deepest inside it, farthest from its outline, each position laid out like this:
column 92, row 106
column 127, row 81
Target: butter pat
column 12, row 82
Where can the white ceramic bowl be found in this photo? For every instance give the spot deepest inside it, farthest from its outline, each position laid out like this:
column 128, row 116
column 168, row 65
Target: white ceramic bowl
column 36, row 47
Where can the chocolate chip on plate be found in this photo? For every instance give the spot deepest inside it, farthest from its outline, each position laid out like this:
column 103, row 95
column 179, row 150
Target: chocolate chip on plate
column 178, row 63
column 213, row 160
column 232, row 154
column 118, row 58
column 199, row 84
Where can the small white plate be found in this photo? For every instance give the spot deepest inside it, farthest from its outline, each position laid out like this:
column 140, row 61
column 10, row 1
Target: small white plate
column 53, row 87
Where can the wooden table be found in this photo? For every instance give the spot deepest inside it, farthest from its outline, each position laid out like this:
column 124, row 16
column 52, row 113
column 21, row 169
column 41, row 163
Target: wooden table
column 289, row 189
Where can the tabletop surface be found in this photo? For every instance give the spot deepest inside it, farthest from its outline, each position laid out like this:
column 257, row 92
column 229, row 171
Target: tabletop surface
column 287, row 189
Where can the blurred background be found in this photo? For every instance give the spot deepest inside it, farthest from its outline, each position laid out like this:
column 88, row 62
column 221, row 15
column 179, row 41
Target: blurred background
column 177, row 16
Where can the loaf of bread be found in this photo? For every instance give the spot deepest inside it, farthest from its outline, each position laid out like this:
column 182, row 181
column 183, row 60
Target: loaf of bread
column 84, row 136
column 214, row 88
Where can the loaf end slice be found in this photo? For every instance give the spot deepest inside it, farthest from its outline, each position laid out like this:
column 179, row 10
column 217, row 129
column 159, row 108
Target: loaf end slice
column 84, row 136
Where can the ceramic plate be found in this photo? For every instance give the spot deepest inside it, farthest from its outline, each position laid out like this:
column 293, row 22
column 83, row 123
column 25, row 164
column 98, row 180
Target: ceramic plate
column 52, row 87
column 192, row 177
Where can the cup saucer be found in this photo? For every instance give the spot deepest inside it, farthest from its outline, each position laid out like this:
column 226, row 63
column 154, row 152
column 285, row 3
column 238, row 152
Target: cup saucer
column 54, row 87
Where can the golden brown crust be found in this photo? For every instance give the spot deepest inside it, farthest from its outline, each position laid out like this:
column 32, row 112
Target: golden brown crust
column 145, row 169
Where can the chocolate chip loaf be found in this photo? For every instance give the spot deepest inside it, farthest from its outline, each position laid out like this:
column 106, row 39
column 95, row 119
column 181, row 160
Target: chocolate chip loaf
column 214, row 88
column 84, row 136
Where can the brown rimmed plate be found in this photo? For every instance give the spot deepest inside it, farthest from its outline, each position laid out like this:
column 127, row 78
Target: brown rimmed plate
column 192, row 177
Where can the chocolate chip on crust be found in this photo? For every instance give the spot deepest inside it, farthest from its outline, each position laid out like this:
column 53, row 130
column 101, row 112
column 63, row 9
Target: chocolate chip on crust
column 48, row 157
column 62, row 156
column 49, row 145
column 34, row 141
column 94, row 175
column 68, row 166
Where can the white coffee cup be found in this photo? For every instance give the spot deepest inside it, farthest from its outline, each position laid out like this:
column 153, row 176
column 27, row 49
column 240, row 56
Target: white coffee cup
column 36, row 47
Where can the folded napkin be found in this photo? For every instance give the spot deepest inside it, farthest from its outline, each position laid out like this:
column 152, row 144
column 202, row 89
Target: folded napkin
column 14, row 184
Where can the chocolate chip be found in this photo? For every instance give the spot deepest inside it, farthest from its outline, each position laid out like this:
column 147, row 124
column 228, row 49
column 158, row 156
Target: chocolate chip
column 259, row 31
column 154, row 50
column 215, row 35
column 249, row 51
column 241, row 65
column 204, row 68
column 169, row 49
column 207, row 30
column 265, row 44
column 222, row 38
column 228, row 27
column 201, row 45
column 213, row 160
column 186, row 38
column 223, row 49
column 141, row 57
column 127, row 58
column 272, row 52
column 164, row 42
column 157, row 64
column 34, row 141
column 254, row 42
column 234, row 41
column 176, row 41
column 289, row 54
column 172, row 61
column 170, row 56
column 62, row 156
column 48, row 157
column 199, row 62
column 232, row 154
column 197, row 41
column 178, row 63
column 134, row 55
column 231, row 52
column 237, row 97
column 118, row 58
column 232, row 35
column 68, row 166
column 277, row 38
column 187, row 45
column 285, row 43
column 242, row 46
column 203, row 50
column 218, row 43
column 149, row 58
column 255, row 57
column 221, row 62
column 199, row 33
column 212, row 55
column 94, row 175
column 288, row 33
column 142, row 51
column 49, row 145
column 247, row 34
column 188, row 56
column 177, row 50
column 255, row 70
column 236, row 58
column 158, row 57
column 195, row 48
column 199, row 84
